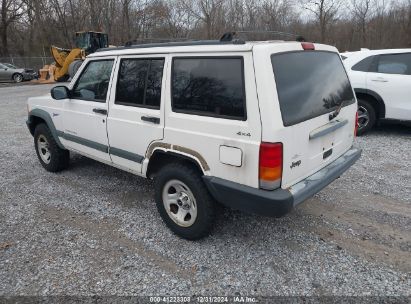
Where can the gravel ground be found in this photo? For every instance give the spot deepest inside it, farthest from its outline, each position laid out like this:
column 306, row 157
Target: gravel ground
column 94, row 229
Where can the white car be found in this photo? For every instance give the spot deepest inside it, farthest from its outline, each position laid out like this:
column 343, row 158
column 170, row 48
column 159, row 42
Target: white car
column 382, row 82
column 256, row 126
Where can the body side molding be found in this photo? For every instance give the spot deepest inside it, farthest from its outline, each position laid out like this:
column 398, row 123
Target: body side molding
column 126, row 155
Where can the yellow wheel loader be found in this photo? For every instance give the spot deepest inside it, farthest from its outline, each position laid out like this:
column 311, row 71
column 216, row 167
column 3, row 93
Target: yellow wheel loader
column 69, row 61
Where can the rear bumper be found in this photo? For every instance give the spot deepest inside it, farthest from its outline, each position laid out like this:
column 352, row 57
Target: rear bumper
column 281, row 201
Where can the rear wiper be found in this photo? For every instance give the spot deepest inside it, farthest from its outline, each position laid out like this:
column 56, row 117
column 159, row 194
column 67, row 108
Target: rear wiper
column 337, row 111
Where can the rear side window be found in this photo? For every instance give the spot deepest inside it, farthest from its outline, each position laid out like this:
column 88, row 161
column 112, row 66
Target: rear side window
column 209, row 87
column 139, row 83
column 364, row 65
column 395, row 64
column 310, row 84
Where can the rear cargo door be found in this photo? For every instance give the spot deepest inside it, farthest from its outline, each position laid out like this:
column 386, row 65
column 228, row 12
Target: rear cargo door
column 310, row 86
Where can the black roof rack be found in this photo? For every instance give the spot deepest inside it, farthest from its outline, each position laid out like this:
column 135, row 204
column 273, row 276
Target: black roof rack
column 226, row 38
column 230, row 35
column 172, row 44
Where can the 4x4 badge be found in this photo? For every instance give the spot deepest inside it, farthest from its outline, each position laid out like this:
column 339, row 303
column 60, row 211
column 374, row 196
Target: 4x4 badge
column 295, row 164
column 243, row 134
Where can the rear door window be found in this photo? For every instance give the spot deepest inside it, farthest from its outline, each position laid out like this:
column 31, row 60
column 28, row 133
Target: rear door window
column 209, row 87
column 310, row 84
column 395, row 64
column 139, row 82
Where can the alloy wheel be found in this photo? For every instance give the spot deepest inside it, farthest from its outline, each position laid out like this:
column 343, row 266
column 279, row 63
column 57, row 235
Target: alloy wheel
column 179, row 203
column 43, row 148
column 18, row 78
column 363, row 117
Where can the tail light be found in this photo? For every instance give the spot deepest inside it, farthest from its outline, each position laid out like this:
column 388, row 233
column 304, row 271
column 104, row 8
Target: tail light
column 308, row 46
column 270, row 165
column 356, row 124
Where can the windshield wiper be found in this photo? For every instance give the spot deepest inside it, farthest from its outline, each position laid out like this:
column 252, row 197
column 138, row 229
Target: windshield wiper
column 337, row 111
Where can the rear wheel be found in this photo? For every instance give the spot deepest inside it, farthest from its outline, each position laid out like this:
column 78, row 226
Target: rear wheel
column 366, row 116
column 50, row 155
column 17, row 78
column 184, row 202
column 73, row 67
column 63, row 78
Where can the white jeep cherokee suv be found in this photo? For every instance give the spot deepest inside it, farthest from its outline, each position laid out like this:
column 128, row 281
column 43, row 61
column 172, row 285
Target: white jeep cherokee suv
column 382, row 82
column 258, row 126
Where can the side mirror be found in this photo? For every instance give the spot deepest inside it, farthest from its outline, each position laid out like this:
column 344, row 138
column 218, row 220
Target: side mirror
column 60, row 92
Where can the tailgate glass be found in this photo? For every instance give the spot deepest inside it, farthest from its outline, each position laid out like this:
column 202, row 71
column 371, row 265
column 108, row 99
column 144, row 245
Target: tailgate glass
column 310, row 84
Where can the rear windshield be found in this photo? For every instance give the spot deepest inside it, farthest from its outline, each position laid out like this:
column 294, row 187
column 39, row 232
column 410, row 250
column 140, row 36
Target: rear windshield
column 310, row 84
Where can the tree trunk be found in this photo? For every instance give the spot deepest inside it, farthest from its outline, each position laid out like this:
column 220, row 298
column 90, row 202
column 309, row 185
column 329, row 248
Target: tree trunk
column 4, row 50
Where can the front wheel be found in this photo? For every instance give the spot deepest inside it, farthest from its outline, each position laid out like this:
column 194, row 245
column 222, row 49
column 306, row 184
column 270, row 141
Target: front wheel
column 184, row 202
column 18, row 78
column 50, row 155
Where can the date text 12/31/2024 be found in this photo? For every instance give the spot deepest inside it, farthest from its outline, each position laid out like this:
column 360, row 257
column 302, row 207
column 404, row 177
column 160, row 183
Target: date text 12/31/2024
column 203, row 299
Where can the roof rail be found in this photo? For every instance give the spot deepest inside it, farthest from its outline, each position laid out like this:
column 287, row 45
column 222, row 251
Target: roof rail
column 174, row 44
column 229, row 36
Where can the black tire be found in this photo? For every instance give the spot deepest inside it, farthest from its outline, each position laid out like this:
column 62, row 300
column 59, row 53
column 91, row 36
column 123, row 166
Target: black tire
column 18, row 78
column 205, row 205
column 63, row 78
column 365, row 124
column 73, row 67
column 58, row 158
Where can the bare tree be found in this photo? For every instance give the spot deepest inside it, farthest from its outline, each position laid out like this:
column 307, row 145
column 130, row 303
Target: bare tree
column 362, row 11
column 10, row 11
column 209, row 13
column 325, row 12
column 29, row 27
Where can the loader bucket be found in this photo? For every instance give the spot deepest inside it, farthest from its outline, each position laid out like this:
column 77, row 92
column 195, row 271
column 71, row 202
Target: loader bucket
column 63, row 61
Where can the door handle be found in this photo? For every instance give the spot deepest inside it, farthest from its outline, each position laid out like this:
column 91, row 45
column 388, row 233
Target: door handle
column 100, row 111
column 379, row 80
column 154, row 120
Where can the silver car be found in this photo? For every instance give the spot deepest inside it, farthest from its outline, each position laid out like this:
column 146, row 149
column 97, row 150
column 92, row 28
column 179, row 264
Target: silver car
column 9, row 72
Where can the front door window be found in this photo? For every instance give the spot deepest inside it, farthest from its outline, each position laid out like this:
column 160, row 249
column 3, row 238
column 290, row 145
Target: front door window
column 93, row 83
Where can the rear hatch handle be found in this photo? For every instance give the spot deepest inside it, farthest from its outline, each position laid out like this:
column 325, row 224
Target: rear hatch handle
column 328, row 128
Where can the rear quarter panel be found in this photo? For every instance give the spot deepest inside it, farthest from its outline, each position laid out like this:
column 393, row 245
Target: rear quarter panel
column 358, row 79
column 205, row 135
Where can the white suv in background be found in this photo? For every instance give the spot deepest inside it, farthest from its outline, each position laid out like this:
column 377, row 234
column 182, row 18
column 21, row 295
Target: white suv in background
column 257, row 126
column 382, row 82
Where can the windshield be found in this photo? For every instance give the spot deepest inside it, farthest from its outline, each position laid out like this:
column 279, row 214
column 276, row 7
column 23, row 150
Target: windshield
column 10, row 65
column 82, row 40
column 310, row 84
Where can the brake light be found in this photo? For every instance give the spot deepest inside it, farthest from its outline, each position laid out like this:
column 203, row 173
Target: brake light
column 308, row 46
column 270, row 165
column 356, row 124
